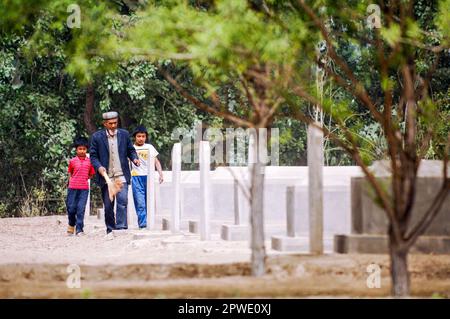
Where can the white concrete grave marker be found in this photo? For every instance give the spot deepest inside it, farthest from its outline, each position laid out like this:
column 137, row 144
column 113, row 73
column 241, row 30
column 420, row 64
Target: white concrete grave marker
column 131, row 209
column 176, row 178
column 151, row 207
column 205, row 188
column 290, row 242
column 315, row 189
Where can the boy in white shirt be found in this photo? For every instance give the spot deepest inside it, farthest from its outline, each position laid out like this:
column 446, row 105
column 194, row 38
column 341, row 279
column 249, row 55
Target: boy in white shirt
column 139, row 173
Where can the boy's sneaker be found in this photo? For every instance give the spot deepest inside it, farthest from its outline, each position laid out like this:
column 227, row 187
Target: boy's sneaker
column 81, row 234
column 70, row 230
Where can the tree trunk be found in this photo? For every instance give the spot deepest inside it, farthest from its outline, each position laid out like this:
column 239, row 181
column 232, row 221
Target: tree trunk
column 399, row 268
column 89, row 110
column 256, row 216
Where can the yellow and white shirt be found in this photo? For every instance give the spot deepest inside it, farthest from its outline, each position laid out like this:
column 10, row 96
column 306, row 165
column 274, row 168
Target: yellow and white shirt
column 143, row 152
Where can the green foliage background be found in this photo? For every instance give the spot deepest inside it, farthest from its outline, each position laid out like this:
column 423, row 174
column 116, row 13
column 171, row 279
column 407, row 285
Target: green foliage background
column 43, row 78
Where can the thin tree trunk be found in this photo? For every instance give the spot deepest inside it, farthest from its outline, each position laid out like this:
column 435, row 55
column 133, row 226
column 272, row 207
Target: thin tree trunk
column 89, row 110
column 257, row 217
column 399, row 268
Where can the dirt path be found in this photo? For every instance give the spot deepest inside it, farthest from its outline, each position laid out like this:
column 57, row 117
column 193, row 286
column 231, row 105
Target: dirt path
column 35, row 255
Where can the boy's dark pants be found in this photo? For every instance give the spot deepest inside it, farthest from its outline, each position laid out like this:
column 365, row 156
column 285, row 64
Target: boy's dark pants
column 121, row 214
column 76, row 205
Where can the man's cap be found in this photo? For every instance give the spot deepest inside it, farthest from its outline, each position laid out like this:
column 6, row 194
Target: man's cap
column 81, row 141
column 110, row 115
column 140, row 129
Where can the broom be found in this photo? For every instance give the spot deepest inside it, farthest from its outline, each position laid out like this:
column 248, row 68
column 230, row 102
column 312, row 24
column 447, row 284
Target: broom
column 113, row 187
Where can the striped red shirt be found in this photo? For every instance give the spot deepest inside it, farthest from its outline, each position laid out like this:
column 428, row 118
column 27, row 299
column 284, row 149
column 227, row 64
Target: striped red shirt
column 80, row 170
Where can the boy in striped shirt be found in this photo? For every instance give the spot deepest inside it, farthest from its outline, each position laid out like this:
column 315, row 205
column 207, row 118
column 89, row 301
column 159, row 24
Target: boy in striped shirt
column 80, row 171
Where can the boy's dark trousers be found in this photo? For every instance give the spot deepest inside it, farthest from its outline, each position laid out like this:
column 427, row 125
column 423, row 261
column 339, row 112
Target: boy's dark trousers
column 121, row 214
column 76, row 205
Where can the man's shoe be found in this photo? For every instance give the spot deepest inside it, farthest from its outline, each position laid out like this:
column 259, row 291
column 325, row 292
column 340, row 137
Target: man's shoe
column 70, row 230
column 81, row 234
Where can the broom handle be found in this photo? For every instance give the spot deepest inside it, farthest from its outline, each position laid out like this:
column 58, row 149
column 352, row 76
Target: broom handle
column 107, row 179
column 109, row 183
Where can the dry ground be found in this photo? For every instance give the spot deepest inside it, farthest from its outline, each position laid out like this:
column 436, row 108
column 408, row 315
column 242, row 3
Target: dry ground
column 35, row 254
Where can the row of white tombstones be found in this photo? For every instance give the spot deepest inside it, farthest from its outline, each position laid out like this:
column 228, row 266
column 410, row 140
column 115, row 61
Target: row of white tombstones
column 241, row 211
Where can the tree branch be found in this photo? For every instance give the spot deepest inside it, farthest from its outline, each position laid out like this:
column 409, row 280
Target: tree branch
column 432, row 212
column 203, row 106
column 250, row 97
column 359, row 88
column 429, row 216
column 89, row 109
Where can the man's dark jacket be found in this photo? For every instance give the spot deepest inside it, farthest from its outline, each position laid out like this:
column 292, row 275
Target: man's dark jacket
column 99, row 153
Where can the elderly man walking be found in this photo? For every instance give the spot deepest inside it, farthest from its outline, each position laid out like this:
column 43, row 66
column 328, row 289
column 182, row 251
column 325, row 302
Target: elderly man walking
column 109, row 152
